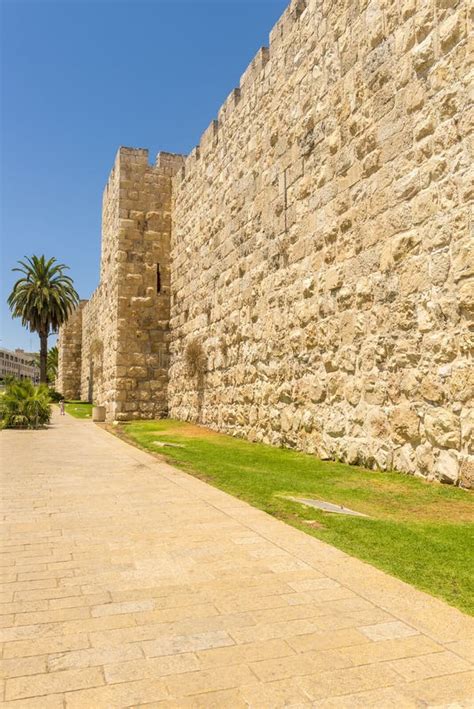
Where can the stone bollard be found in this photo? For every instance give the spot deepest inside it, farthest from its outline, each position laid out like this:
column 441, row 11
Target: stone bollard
column 98, row 413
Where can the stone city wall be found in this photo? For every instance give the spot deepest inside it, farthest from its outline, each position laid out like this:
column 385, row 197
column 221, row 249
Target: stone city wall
column 315, row 250
column 322, row 253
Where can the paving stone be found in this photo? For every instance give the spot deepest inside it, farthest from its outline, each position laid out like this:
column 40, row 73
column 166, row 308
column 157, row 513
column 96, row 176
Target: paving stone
column 26, row 648
column 242, row 654
column 208, row 680
column 93, row 657
column 126, row 694
column 324, row 640
column 186, row 643
column 346, row 681
column 431, row 665
column 52, row 701
column 388, row 631
column 16, row 667
column 52, row 683
column 150, row 667
column 456, row 689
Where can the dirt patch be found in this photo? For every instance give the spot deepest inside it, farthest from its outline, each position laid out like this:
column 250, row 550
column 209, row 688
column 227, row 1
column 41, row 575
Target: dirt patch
column 189, row 430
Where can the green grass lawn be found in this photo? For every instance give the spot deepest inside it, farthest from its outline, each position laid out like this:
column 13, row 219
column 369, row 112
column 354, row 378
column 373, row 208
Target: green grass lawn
column 79, row 409
column 421, row 532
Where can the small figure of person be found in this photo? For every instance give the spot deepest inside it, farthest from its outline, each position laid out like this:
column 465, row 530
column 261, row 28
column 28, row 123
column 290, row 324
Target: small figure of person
column 61, row 407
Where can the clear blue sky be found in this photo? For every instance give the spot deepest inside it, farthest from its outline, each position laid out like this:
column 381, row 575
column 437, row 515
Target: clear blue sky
column 80, row 78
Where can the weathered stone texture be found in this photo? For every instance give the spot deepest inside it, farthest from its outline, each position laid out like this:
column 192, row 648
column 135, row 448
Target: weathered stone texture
column 318, row 245
column 321, row 246
column 68, row 380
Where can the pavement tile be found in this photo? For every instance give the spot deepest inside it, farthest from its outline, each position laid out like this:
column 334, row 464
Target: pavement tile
column 171, row 644
column 463, row 648
column 120, row 608
column 385, row 698
column 432, row 665
column 388, row 631
column 325, row 640
column 126, row 694
column 349, row 680
column 15, row 667
column 52, row 616
column 223, row 699
column 298, row 665
column 390, row 650
column 26, row 648
column 23, row 607
column 151, row 667
column 52, row 683
column 51, row 701
column 456, row 690
column 208, row 680
column 274, row 630
column 241, row 654
column 282, row 693
column 93, row 657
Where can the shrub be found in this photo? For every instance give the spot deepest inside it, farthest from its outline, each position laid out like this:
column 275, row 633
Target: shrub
column 54, row 396
column 24, row 405
column 195, row 358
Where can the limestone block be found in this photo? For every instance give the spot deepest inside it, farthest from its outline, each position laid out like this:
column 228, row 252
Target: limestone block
column 447, row 467
column 335, row 424
column 450, row 31
column 466, row 296
column 461, row 382
column 442, row 427
column 466, row 471
column 439, row 267
column 432, row 390
column 404, row 459
column 424, row 456
column 463, row 261
column 405, row 423
column 424, row 55
column 467, row 429
column 377, row 424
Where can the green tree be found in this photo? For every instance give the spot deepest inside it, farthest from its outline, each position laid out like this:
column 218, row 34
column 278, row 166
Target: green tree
column 52, row 365
column 43, row 298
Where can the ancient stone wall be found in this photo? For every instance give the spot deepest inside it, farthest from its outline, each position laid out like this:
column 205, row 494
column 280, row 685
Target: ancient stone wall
column 68, row 380
column 322, row 253
column 317, row 248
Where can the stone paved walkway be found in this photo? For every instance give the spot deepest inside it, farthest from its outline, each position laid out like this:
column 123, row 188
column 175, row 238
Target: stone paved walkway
column 128, row 583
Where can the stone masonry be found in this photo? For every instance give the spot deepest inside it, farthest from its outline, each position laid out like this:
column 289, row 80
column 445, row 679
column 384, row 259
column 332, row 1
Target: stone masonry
column 70, row 354
column 125, row 325
column 317, row 247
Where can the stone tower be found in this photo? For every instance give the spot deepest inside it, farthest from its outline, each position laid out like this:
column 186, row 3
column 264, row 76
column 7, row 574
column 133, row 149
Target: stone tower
column 123, row 355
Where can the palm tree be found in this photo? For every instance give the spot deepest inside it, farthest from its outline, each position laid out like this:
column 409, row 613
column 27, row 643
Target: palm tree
column 43, row 298
column 52, row 365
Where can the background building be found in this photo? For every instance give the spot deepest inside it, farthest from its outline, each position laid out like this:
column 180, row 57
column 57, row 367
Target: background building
column 18, row 364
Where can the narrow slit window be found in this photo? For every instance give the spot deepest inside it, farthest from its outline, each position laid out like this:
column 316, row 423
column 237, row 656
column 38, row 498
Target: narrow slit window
column 158, row 278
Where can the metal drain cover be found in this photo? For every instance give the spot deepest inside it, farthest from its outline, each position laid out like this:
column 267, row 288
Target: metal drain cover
column 327, row 506
column 164, row 444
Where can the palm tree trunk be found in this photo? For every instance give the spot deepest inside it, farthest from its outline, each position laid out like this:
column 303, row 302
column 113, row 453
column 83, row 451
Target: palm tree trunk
column 43, row 357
